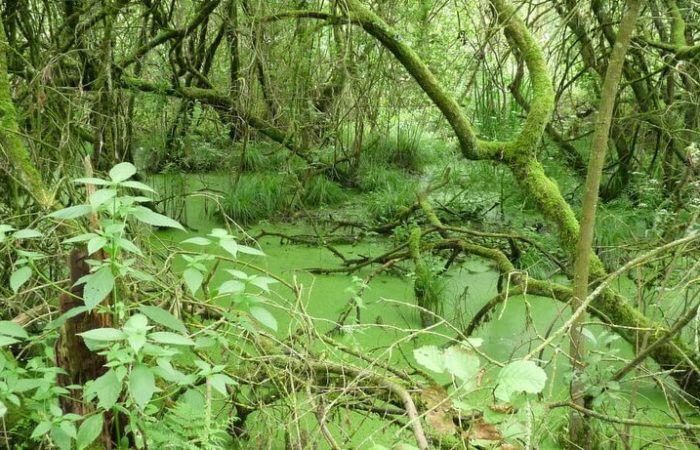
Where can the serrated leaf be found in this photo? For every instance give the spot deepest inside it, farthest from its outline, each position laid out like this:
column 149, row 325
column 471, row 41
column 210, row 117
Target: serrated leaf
column 103, row 334
column 97, row 286
column 9, row 328
column 461, row 364
column 166, row 337
column 80, row 238
column 520, row 376
column 89, row 430
column 41, row 429
column 250, row 250
column 19, row 277
column 138, row 185
column 107, row 387
column 230, row 246
column 27, row 233
column 231, row 287
column 219, row 381
column 197, row 241
column 95, row 181
column 149, row 217
column 164, row 318
column 142, row 385
column 193, row 279
column 95, row 244
column 101, row 197
column 6, row 340
column 122, row 171
column 264, row 316
column 430, row 357
column 72, row 212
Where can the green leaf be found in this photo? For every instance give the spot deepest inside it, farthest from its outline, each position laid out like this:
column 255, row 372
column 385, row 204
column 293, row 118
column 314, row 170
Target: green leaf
column 103, row 334
column 145, row 215
column 430, row 357
column 5, row 341
column 97, row 286
column 107, row 387
column 19, row 277
column 250, row 250
column 461, row 364
column 230, row 246
column 69, row 429
column 166, row 337
column 95, row 181
column 142, row 385
column 101, row 197
column 60, row 320
column 72, row 212
column 27, row 233
column 122, row 171
column 80, row 238
column 3, row 410
column 96, row 244
column 219, row 381
column 138, row 185
column 520, row 376
column 193, row 279
column 89, row 430
column 163, row 317
column 264, row 316
column 231, row 287
column 60, row 438
column 41, row 429
column 262, row 282
column 197, row 241
column 9, row 328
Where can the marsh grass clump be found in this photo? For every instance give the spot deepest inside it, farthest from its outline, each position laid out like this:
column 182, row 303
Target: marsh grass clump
column 406, row 148
column 389, row 201
column 260, row 157
column 319, row 191
column 258, row 196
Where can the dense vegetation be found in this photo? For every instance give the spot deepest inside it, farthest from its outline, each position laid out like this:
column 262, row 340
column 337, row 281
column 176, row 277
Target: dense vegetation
column 499, row 199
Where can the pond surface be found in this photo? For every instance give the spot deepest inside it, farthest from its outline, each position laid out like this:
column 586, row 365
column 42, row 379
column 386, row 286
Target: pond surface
column 390, row 326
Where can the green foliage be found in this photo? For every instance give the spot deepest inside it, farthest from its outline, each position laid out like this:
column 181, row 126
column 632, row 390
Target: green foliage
column 402, row 147
column 258, row 196
column 320, row 191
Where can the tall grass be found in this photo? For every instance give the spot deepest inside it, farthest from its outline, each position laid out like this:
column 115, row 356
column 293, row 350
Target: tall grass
column 259, row 196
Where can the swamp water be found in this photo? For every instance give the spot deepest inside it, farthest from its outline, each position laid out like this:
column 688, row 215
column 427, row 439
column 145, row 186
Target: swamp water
column 390, row 328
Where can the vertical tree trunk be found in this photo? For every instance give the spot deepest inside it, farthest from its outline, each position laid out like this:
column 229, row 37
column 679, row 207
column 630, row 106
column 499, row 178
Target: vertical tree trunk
column 579, row 433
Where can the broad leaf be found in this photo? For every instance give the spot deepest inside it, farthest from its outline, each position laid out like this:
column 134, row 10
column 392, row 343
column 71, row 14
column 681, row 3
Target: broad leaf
column 520, row 376
column 103, row 334
column 461, row 364
column 142, row 385
column 219, row 381
column 138, row 185
column 6, row 340
column 430, row 357
column 122, row 172
column 107, row 387
column 97, row 286
column 231, row 287
column 27, row 233
column 101, row 197
column 89, row 430
column 9, row 328
column 264, row 316
column 164, row 318
column 72, row 212
column 197, row 241
column 166, row 337
column 193, row 279
column 19, row 277
column 145, row 215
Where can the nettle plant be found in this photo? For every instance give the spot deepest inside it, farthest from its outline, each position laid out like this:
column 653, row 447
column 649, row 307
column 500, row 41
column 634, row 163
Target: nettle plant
column 150, row 354
column 514, row 387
